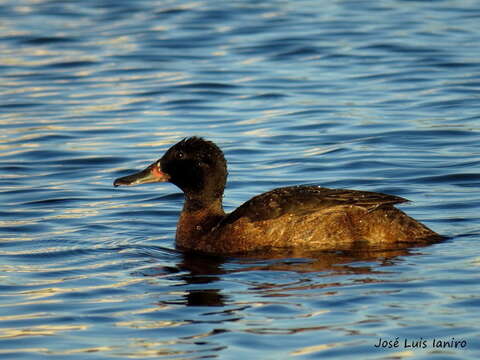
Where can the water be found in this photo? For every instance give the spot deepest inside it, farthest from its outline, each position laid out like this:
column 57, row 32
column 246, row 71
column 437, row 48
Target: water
column 380, row 96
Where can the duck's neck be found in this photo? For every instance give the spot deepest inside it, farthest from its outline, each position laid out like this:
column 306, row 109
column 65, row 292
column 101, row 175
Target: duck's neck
column 196, row 220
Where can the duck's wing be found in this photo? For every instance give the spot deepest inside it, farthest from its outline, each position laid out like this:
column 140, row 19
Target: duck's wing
column 302, row 200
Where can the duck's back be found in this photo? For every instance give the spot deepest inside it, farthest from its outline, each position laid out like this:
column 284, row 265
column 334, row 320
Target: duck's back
column 316, row 218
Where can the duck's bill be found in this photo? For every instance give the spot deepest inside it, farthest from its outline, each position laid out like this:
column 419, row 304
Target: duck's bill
column 150, row 175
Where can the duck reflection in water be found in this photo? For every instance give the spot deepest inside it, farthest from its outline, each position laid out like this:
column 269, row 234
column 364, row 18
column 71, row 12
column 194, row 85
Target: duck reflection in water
column 194, row 270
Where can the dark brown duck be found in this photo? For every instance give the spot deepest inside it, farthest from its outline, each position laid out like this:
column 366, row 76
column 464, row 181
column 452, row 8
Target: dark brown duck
column 306, row 217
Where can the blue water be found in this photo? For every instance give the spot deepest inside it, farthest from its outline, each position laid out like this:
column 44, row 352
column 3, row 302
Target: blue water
column 371, row 95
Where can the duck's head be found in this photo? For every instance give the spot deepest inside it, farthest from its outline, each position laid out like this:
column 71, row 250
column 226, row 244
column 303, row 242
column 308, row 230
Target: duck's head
column 195, row 165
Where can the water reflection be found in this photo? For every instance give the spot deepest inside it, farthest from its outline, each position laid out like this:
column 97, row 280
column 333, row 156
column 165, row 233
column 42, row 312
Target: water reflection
column 198, row 269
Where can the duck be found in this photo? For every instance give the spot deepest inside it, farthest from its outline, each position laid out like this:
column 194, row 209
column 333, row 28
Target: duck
column 303, row 217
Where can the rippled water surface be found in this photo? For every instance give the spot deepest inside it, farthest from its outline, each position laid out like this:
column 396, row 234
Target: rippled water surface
column 372, row 95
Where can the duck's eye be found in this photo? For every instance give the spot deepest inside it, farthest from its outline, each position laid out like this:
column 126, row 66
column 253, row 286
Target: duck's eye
column 180, row 155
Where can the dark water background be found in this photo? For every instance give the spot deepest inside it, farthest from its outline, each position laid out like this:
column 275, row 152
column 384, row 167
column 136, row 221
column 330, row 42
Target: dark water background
column 371, row 95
